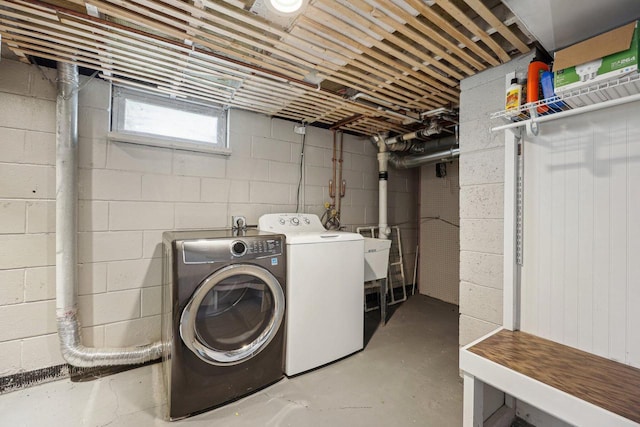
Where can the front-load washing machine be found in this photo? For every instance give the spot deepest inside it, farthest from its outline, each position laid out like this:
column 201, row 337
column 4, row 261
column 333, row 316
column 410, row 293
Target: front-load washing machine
column 223, row 316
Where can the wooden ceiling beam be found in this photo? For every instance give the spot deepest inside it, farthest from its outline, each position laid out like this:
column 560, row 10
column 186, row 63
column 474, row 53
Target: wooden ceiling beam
column 403, row 73
column 383, row 72
column 436, row 37
column 486, row 14
column 468, row 23
column 452, row 31
column 164, row 25
column 218, row 51
column 415, row 35
column 352, row 16
column 394, row 53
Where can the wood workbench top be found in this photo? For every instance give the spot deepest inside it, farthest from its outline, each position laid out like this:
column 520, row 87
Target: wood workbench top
column 610, row 385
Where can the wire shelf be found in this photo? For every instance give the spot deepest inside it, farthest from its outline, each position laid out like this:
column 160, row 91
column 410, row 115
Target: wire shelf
column 574, row 99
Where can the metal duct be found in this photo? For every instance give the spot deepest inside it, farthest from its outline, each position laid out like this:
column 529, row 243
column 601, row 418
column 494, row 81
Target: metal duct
column 421, row 147
column 66, row 246
column 405, row 162
column 433, row 129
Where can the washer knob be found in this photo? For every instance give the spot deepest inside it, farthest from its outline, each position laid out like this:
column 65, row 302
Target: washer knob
column 306, row 220
column 238, row 248
column 295, row 221
column 282, row 221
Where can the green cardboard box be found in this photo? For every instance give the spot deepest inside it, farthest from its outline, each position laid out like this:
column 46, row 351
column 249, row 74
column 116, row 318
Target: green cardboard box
column 601, row 58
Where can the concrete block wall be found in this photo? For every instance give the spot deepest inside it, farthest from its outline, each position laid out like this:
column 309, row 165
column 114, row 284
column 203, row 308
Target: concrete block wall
column 482, row 219
column 130, row 194
column 481, row 200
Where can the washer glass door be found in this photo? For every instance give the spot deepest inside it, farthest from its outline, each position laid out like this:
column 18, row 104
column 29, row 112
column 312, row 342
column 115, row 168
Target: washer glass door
column 233, row 314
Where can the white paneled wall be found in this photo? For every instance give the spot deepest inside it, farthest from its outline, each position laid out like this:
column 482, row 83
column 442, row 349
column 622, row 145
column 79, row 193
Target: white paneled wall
column 581, row 274
column 130, row 194
column 440, row 233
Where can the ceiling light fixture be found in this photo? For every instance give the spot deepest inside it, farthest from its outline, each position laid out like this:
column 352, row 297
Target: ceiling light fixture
column 286, row 6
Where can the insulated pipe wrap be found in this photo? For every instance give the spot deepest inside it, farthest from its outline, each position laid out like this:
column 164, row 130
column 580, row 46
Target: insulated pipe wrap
column 71, row 346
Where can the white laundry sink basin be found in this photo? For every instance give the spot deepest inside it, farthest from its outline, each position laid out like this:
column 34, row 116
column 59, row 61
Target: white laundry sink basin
column 376, row 258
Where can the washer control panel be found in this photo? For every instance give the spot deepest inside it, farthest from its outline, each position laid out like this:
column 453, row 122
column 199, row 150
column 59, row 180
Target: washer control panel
column 290, row 222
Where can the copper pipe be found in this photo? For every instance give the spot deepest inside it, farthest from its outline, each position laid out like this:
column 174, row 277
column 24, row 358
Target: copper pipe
column 339, row 186
column 346, row 121
column 332, row 182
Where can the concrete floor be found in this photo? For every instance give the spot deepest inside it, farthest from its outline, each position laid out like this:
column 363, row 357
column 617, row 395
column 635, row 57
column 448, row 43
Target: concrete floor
column 406, row 376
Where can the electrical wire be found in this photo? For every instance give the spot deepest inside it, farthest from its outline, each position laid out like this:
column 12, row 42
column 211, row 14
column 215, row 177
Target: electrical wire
column 54, row 83
column 82, row 86
column 304, row 137
column 431, row 218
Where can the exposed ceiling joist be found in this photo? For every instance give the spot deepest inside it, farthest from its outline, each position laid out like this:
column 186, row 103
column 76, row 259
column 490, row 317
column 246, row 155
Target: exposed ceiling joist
column 403, row 57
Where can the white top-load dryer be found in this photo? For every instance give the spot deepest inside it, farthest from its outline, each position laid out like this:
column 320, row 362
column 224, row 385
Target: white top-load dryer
column 325, row 276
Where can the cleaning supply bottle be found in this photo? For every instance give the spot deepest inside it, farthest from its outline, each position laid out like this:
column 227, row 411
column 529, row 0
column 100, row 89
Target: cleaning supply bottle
column 534, row 83
column 549, row 94
column 514, row 99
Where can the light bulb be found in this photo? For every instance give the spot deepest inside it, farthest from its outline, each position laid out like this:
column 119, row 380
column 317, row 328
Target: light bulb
column 286, row 6
column 588, row 70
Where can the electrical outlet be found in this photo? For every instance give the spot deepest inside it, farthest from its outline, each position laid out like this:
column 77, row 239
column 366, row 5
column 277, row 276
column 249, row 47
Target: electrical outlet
column 238, row 222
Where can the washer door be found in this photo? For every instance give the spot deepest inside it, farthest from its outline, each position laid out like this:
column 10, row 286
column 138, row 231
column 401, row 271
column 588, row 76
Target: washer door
column 233, row 314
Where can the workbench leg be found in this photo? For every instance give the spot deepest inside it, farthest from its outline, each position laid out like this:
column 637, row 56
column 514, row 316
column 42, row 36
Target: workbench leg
column 383, row 301
column 473, row 401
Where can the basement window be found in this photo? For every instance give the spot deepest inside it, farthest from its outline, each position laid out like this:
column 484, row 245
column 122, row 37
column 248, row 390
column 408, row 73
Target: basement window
column 149, row 119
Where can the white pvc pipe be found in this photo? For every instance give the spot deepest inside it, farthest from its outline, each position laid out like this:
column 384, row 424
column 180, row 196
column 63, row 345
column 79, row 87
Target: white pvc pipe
column 383, row 161
column 573, row 112
column 71, row 346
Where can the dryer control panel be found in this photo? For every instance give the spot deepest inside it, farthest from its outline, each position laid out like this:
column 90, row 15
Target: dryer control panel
column 290, row 222
column 223, row 250
column 263, row 247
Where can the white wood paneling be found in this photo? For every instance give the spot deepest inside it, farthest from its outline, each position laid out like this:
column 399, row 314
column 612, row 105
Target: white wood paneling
column 581, row 273
column 633, row 267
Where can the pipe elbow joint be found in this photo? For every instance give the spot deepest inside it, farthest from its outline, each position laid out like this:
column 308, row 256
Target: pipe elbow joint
column 81, row 356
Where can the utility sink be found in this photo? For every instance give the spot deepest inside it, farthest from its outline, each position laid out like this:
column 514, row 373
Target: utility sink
column 376, row 258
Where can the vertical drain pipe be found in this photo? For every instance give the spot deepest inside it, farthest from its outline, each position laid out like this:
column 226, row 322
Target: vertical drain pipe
column 66, row 234
column 383, row 162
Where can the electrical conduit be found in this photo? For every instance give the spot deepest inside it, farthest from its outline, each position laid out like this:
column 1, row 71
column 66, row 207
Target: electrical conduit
column 71, row 346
